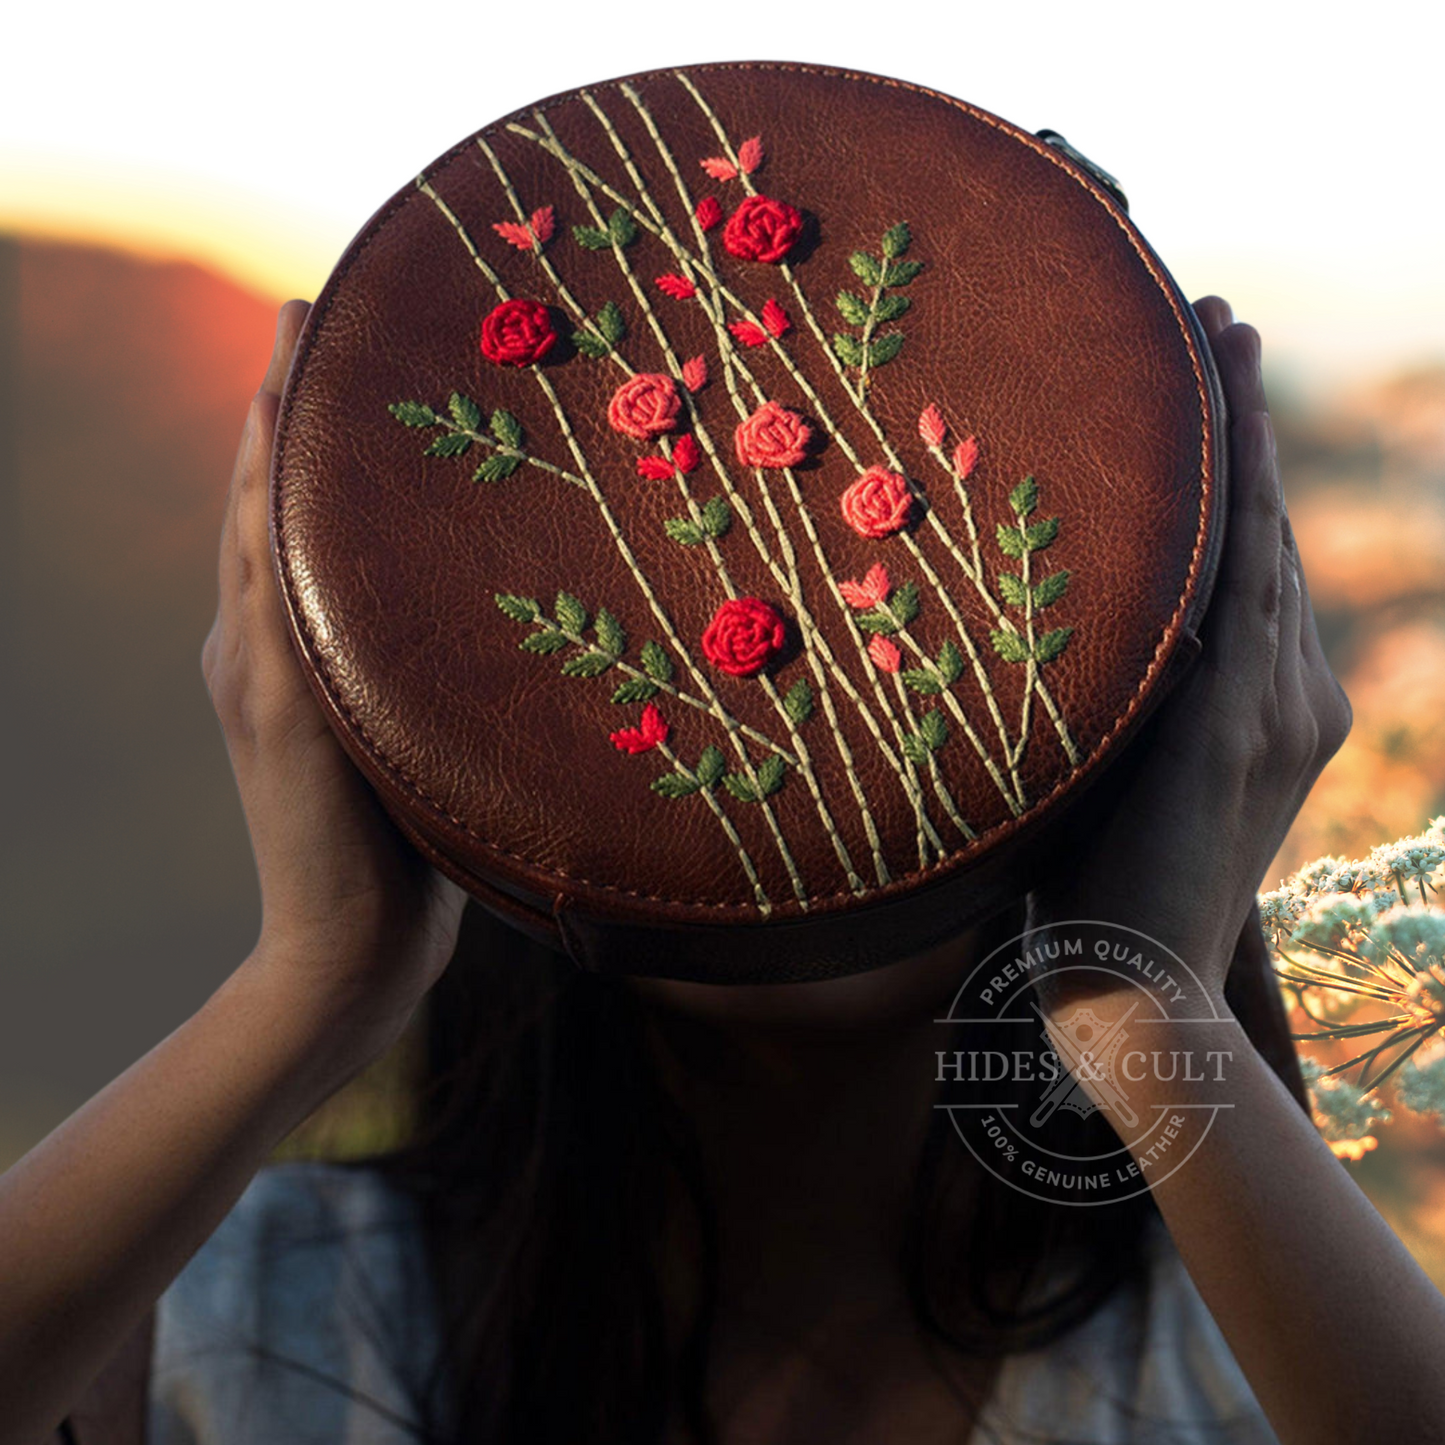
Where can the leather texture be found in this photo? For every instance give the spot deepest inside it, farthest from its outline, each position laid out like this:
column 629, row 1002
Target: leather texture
column 1038, row 322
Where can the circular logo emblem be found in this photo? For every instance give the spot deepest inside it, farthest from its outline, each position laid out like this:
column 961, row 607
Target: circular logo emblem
column 1078, row 1072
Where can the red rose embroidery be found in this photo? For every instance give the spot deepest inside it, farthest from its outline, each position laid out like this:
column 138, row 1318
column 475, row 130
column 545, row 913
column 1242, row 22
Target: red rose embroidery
column 762, row 229
column 651, row 730
column 772, row 436
column 878, row 503
column 517, row 333
column 645, row 405
column 743, row 636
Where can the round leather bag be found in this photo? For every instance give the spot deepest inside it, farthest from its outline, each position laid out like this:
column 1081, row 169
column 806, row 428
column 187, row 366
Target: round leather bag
column 730, row 514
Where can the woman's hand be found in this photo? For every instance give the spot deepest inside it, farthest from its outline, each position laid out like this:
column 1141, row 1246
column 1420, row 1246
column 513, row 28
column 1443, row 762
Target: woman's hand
column 346, row 902
column 1175, row 844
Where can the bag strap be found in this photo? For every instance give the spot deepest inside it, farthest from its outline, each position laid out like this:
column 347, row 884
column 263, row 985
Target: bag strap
column 112, row 1411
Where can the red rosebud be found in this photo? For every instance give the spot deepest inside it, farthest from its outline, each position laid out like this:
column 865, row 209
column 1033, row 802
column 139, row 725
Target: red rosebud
column 965, row 456
column 743, row 636
column 884, row 653
column 750, row 154
column 685, row 454
column 694, row 373
column 649, row 732
column 517, row 333
column 748, row 334
column 515, row 234
column 645, row 405
column 878, row 503
column 709, row 212
column 654, row 469
column 719, row 168
column 773, row 437
column 543, row 222
column 775, row 318
column 762, row 229
column 678, row 287
column 871, row 591
column 932, row 427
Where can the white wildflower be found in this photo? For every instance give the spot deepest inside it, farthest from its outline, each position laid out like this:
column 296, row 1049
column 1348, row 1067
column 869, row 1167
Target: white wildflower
column 1420, row 1081
column 1342, row 1110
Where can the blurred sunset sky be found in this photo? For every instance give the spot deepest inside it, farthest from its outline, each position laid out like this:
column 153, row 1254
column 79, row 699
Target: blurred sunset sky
column 1286, row 157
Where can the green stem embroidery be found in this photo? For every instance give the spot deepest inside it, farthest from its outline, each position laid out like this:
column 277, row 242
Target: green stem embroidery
column 579, row 458
column 732, row 359
column 726, row 823
column 883, row 273
column 865, row 412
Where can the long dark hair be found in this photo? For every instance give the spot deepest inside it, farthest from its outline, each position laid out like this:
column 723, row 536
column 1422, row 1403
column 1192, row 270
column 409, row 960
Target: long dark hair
column 547, row 1157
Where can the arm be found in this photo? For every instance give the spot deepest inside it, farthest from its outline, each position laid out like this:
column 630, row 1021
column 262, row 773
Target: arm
column 1336, row 1327
column 100, row 1216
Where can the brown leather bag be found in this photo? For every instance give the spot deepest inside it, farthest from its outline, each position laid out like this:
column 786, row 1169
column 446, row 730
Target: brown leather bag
column 730, row 514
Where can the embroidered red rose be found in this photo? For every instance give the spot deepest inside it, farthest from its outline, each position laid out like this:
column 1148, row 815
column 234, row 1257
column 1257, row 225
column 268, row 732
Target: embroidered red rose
column 772, row 436
column 878, row 503
column 651, row 730
column 743, row 636
column 517, row 333
column 762, row 229
column 645, row 405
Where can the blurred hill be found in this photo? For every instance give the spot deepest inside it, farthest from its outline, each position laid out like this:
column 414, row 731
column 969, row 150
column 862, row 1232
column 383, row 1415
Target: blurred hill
column 1365, row 483
column 128, row 884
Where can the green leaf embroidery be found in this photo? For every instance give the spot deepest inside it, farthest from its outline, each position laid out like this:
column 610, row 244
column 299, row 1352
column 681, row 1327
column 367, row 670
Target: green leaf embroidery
column 848, row 349
column 853, row 308
column 675, row 785
column 1012, row 587
column 798, row 703
column 771, row 772
column 655, row 662
column 1040, row 534
column 610, row 636
column 591, row 239
column 933, row 728
column 740, row 788
column 591, row 345
column 571, row 614
column 876, row 620
column 865, row 268
column 544, row 642
column 635, row 689
column 915, row 749
column 684, row 531
column 1050, row 644
column 497, row 468
column 897, row 239
column 717, row 516
column 1009, row 646
column 1009, row 540
column 586, row 664
column 412, row 413
column 950, row 662
column 890, row 308
column 885, row 348
column 519, row 609
column 921, row 680
column 711, row 766
column 904, row 603
column 465, row 412
column 1024, row 497
column 506, row 428
column 900, row 273
column 611, row 324
column 449, row 444
column 1051, row 588
column 622, row 227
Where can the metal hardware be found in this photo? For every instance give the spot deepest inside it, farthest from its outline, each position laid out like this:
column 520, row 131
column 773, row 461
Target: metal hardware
column 1053, row 138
